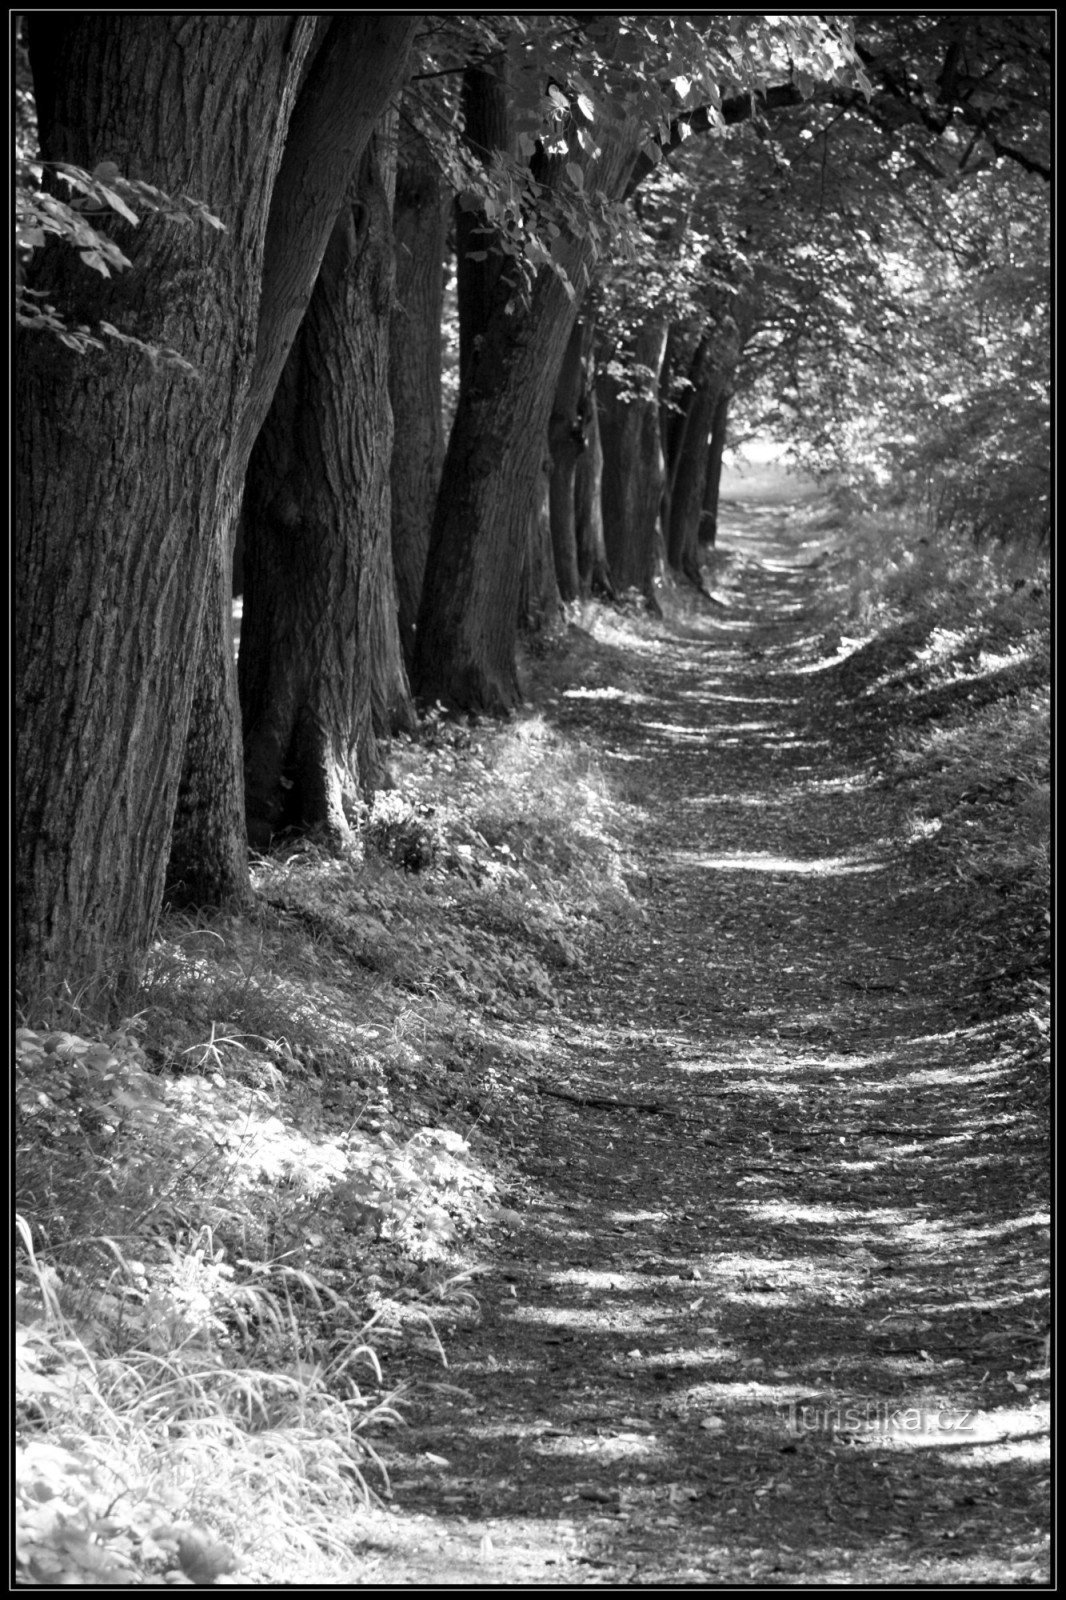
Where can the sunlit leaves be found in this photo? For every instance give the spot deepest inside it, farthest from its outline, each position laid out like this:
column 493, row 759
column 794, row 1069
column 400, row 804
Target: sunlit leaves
column 98, row 196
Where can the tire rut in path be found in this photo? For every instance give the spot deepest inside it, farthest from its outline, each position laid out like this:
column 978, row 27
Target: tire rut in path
column 770, row 1321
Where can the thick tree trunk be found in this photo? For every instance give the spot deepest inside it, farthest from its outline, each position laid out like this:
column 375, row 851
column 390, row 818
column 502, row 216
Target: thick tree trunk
column 319, row 620
column 588, row 507
column 633, row 470
column 121, row 469
column 420, row 233
column 566, row 439
column 715, row 452
column 356, row 64
column 465, row 649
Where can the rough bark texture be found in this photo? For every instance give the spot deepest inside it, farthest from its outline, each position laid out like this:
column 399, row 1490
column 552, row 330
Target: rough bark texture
column 483, row 282
column 538, row 601
column 712, row 486
column 464, row 652
column 208, row 862
column 588, row 508
column 319, row 625
column 121, row 468
column 689, row 465
column 355, row 64
column 633, row 470
column 420, row 232
column 566, row 439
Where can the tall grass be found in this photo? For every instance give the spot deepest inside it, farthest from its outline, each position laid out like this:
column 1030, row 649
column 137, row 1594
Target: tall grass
column 244, row 1180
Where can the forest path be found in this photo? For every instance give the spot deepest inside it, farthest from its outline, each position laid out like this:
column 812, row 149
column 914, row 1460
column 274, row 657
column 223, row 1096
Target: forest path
column 768, row 1316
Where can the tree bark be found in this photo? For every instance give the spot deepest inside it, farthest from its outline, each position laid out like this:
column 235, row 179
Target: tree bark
column 689, row 467
column 121, row 469
column 420, row 233
column 465, row 649
column 484, row 279
column 633, row 469
column 538, row 602
column 355, row 65
column 592, row 561
column 319, row 627
column 719, row 432
column 566, row 439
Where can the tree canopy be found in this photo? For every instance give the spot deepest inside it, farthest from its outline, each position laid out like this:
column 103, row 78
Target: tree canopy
column 663, row 229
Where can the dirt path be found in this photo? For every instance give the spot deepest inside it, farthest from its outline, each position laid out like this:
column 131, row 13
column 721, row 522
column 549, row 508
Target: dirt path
column 773, row 1316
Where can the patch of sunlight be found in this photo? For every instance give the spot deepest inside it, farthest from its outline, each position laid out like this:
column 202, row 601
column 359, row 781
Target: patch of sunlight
column 730, row 800
column 630, row 697
column 852, row 783
column 760, row 861
column 976, row 1072
column 942, row 642
column 602, row 1279
column 1006, row 1229
column 778, row 741
column 737, row 699
column 628, row 1218
column 923, row 827
column 995, row 1437
column 677, row 730
column 611, row 1447
column 846, row 648
column 789, row 1211
column 720, row 1394
column 622, row 1319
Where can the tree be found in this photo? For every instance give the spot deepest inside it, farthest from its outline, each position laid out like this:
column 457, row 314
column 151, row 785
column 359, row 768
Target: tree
column 317, row 515
column 127, row 479
column 567, row 439
column 358, row 62
column 634, row 469
column 419, row 233
column 580, row 166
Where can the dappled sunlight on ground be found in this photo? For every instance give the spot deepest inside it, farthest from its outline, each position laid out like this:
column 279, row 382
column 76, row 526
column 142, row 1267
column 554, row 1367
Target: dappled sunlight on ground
column 823, row 867
column 776, row 1162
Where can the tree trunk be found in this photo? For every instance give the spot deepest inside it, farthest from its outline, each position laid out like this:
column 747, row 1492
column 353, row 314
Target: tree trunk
column 319, row 605
column 121, row 469
column 538, row 601
column 566, row 439
column 357, row 62
column 592, row 562
column 420, row 234
column 484, row 277
column 689, row 472
column 208, row 862
column 464, row 652
column 715, row 452
column 633, row 470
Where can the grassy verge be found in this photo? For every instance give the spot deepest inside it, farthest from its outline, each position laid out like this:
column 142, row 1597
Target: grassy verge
column 261, row 1181
column 942, row 663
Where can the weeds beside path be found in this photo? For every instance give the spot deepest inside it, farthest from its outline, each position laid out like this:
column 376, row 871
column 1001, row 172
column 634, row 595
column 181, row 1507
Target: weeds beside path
column 773, row 1307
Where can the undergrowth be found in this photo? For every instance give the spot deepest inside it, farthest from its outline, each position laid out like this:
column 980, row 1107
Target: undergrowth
column 942, row 663
column 249, row 1192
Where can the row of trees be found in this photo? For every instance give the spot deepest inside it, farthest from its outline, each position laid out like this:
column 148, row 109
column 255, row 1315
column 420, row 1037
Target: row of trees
column 650, row 220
